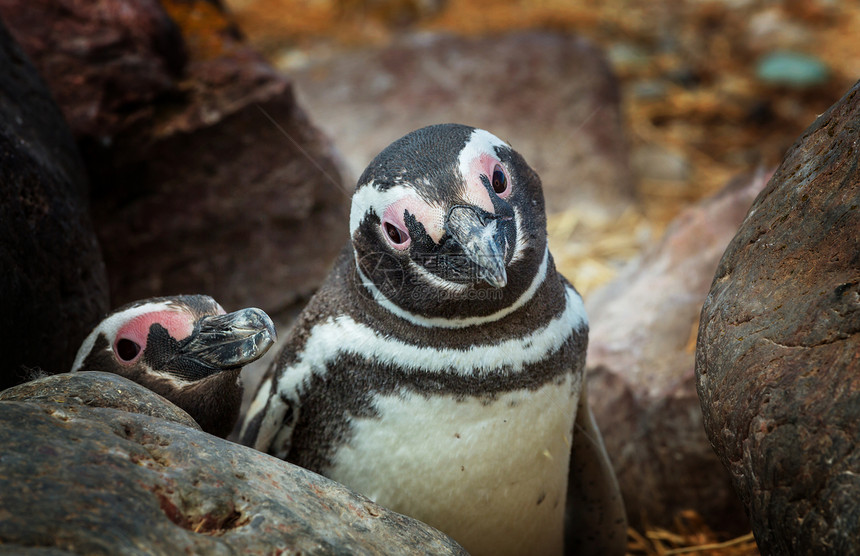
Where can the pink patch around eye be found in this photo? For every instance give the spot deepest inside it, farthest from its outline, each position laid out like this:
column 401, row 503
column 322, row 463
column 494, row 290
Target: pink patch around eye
column 394, row 226
column 430, row 217
column 476, row 192
column 178, row 324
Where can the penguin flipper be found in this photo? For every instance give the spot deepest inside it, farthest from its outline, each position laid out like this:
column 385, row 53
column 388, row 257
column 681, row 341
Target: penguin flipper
column 264, row 424
column 595, row 519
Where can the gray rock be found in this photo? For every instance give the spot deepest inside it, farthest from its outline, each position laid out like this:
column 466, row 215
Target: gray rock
column 777, row 356
column 640, row 368
column 98, row 389
column 552, row 96
column 96, row 480
column 207, row 177
column 53, row 287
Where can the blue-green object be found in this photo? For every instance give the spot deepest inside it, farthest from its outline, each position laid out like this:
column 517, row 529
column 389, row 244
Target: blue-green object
column 794, row 69
column 625, row 55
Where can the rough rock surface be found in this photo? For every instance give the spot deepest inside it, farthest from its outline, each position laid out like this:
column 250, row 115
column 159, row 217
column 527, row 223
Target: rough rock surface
column 97, row 480
column 552, row 96
column 641, row 360
column 195, row 188
column 98, row 389
column 778, row 354
column 53, row 287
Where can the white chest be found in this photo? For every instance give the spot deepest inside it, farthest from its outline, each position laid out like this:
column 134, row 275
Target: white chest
column 492, row 475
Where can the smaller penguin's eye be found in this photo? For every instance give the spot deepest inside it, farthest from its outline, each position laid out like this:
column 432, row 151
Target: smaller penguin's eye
column 500, row 181
column 395, row 234
column 127, row 349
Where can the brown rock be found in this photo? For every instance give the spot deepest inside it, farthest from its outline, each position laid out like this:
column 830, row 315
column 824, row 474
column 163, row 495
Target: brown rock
column 778, row 354
column 53, row 287
column 207, row 176
column 97, row 480
column 640, row 362
column 552, row 96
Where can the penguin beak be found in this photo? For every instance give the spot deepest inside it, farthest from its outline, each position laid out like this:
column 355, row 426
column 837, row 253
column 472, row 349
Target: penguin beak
column 482, row 236
column 230, row 341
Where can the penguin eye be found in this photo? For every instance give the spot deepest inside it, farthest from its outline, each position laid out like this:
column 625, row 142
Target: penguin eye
column 500, row 180
column 126, row 349
column 397, row 237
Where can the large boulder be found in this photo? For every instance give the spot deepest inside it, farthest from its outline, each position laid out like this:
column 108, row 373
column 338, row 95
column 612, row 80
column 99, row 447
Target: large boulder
column 99, row 480
column 53, row 286
column 640, row 368
column 778, row 354
column 206, row 174
column 98, row 389
column 552, row 95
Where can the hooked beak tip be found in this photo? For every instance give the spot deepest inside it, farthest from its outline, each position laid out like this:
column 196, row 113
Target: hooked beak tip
column 478, row 233
column 232, row 340
column 498, row 280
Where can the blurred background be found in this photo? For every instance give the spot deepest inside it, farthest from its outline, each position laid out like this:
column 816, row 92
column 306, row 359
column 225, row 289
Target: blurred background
column 708, row 89
column 212, row 146
column 653, row 125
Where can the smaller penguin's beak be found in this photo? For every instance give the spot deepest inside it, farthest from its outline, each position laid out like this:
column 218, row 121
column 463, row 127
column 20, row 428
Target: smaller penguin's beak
column 482, row 236
column 230, row 341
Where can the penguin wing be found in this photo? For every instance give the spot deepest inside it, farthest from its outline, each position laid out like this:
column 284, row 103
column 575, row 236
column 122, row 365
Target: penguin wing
column 268, row 424
column 272, row 417
column 595, row 519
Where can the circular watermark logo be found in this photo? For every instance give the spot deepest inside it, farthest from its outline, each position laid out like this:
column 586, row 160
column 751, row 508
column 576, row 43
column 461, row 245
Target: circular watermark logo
column 379, row 274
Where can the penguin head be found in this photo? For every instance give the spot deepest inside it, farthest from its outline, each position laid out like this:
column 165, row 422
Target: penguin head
column 448, row 220
column 186, row 348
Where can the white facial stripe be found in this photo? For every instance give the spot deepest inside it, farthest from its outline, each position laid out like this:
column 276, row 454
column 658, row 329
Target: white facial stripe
column 481, row 142
column 521, row 238
column 111, row 325
column 439, row 322
column 435, row 281
column 176, row 381
column 343, row 335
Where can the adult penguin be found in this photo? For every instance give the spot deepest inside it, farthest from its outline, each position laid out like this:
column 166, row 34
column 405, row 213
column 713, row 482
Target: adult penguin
column 439, row 368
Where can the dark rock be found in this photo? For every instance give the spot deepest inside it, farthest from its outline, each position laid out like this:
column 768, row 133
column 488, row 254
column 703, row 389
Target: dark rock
column 53, row 287
column 98, row 389
column 552, row 96
column 207, row 176
column 95, row 480
column 777, row 356
column 641, row 360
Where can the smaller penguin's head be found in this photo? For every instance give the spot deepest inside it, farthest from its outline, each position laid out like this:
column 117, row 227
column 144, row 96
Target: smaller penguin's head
column 186, row 348
column 448, row 220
